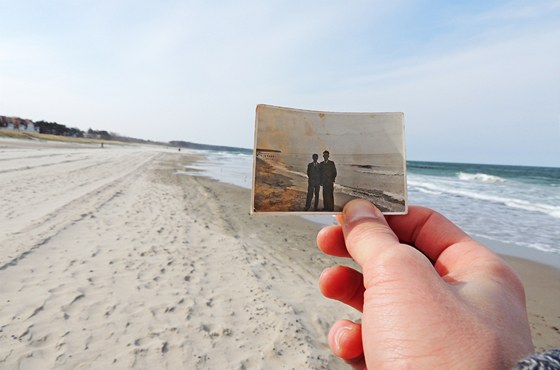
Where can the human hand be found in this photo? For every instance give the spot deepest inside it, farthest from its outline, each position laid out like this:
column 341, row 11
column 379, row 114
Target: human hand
column 430, row 296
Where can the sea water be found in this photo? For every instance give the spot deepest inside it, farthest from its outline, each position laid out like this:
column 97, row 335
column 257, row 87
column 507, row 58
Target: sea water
column 231, row 168
column 515, row 210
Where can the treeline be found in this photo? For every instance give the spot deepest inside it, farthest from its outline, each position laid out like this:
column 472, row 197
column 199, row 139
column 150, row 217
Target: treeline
column 54, row 128
column 100, row 134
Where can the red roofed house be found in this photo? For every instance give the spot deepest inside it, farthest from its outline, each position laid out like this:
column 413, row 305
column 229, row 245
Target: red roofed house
column 18, row 124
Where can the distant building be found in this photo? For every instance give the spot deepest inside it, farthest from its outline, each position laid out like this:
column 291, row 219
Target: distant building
column 268, row 153
column 30, row 126
column 17, row 124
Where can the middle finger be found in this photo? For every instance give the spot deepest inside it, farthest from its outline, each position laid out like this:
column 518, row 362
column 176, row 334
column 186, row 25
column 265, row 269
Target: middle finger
column 343, row 284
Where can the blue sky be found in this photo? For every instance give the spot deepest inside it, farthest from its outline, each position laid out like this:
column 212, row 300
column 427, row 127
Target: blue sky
column 478, row 81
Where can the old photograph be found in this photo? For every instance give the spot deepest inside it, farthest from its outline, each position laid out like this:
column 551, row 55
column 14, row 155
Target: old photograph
column 315, row 162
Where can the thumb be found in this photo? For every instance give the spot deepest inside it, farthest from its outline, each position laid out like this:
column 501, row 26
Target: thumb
column 366, row 232
column 375, row 247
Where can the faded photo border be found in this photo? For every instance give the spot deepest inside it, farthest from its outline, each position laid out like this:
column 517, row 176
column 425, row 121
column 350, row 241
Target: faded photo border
column 313, row 162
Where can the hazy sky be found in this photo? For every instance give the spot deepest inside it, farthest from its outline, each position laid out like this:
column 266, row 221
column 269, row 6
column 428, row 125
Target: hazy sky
column 478, row 81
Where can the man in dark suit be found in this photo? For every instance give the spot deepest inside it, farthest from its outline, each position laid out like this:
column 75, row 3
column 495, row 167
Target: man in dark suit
column 313, row 182
column 328, row 174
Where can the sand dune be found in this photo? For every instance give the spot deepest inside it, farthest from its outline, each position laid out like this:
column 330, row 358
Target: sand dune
column 108, row 258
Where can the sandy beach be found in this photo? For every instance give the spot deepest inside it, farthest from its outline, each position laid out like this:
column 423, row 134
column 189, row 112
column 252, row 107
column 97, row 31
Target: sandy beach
column 110, row 259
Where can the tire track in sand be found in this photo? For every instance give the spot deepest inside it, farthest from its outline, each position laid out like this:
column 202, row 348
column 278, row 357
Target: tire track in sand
column 18, row 245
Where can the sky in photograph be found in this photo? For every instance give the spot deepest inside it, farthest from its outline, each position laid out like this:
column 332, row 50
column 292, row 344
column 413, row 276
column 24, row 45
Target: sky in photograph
column 478, row 81
column 307, row 132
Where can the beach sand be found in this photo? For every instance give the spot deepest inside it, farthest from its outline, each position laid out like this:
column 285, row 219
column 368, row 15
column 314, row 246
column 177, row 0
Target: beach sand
column 109, row 259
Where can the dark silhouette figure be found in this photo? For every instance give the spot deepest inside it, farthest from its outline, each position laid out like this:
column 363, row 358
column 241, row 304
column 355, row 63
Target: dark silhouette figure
column 313, row 183
column 328, row 175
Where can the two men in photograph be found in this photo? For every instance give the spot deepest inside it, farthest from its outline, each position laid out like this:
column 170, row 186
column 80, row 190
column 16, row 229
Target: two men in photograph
column 321, row 174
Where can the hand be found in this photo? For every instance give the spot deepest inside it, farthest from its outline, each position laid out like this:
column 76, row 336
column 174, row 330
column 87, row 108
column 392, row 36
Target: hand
column 431, row 297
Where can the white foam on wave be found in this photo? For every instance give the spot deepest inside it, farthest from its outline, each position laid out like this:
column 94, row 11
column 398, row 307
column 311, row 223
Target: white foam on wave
column 480, row 177
column 536, row 246
column 363, row 193
column 548, row 209
column 426, row 190
column 380, row 172
column 539, row 246
column 395, row 196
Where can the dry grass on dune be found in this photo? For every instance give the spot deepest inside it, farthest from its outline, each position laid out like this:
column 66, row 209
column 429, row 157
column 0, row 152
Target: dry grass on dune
column 67, row 139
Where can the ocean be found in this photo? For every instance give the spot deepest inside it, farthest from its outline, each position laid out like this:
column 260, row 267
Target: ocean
column 514, row 210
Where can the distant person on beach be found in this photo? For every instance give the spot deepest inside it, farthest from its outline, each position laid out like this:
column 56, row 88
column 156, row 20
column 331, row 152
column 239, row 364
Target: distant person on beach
column 313, row 183
column 328, row 175
column 430, row 296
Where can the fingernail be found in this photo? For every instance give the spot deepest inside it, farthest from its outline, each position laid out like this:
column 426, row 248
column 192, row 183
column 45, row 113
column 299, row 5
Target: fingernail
column 340, row 334
column 357, row 210
column 324, row 271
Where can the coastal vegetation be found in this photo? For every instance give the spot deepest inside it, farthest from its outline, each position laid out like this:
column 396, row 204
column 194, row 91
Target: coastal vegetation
column 18, row 128
column 54, row 131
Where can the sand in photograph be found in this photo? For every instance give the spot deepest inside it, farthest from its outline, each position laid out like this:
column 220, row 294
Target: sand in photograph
column 364, row 159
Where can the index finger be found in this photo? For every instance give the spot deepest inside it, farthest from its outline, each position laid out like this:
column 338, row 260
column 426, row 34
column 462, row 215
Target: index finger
column 427, row 230
column 423, row 228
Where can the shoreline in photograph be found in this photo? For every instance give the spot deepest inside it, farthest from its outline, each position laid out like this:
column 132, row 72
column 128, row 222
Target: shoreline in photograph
column 111, row 257
column 278, row 189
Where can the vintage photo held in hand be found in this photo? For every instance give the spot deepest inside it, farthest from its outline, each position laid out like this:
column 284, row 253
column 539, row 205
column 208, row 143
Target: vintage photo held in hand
column 313, row 162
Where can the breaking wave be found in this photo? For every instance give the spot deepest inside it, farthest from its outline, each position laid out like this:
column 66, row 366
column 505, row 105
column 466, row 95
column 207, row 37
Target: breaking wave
column 480, row 177
column 433, row 189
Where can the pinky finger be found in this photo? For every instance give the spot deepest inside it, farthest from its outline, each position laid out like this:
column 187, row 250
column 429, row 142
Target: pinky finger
column 345, row 340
